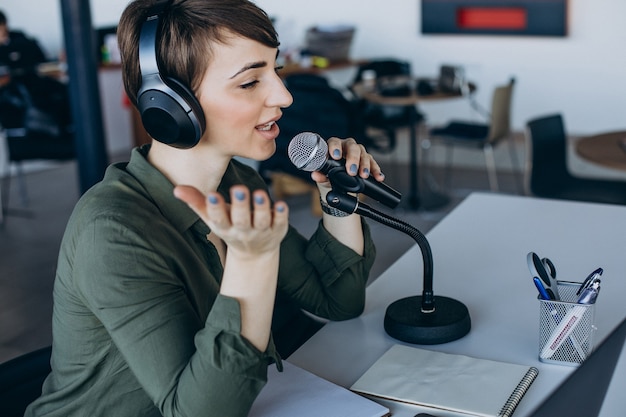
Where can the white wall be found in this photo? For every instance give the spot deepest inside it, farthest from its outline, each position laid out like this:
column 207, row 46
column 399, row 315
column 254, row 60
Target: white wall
column 581, row 75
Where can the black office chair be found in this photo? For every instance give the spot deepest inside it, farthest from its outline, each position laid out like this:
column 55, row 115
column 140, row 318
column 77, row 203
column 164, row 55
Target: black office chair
column 317, row 107
column 21, row 380
column 384, row 120
column 483, row 136
column 36, row 120
column 546, row 173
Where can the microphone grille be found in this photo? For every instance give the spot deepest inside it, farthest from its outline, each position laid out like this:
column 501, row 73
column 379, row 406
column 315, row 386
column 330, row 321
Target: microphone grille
column 308, row 151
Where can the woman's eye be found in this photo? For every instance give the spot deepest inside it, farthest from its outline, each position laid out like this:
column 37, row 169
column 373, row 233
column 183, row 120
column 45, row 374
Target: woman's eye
column 249, row 85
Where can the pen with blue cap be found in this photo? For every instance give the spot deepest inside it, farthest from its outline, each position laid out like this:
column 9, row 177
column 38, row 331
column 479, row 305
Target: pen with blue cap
column 542, row 291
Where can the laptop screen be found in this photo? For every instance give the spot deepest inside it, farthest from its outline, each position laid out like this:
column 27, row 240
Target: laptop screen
column 583, row 392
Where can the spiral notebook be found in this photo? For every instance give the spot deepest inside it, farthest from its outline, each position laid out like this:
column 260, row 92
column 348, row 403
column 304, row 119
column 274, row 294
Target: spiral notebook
column 458, row 383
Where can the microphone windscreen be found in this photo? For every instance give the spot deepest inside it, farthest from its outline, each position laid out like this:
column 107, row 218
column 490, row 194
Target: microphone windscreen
column 308, row 151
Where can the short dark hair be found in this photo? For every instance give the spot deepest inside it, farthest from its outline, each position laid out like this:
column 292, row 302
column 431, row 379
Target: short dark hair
column 189, row 28
column 3, row 18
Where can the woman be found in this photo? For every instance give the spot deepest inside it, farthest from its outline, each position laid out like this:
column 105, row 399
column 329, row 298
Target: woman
column 178, row 277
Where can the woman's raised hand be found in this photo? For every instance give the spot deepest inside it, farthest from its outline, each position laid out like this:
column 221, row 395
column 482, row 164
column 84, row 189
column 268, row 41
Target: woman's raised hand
column 251, row 229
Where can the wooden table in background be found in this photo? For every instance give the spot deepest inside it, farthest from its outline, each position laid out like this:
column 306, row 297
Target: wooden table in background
column 606, row 149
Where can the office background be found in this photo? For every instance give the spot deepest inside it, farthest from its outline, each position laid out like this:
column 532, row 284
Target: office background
column 580, row 75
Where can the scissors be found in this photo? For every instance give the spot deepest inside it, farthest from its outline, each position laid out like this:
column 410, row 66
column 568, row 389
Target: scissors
column 544, row 270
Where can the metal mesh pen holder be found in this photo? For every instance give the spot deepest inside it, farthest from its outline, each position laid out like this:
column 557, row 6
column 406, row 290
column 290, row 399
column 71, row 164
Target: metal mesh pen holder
column 566, row 328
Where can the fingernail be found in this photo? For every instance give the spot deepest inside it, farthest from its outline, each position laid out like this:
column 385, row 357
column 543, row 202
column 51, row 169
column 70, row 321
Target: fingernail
column 212, row 199
column 382, row 175
column 280, row 208
column 239, row 195
column 336, row 153
column 366, row 171
column 259, row 199
column 353, row 168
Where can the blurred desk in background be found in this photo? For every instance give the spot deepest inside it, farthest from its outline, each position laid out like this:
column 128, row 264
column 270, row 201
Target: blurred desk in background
column 296, row 68
column 606, row 149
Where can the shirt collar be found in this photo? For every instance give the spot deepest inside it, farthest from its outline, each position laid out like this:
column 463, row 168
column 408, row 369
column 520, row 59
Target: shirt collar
column 161, row 190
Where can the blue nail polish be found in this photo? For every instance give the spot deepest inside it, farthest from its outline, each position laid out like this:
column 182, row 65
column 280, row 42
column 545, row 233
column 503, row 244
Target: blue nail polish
column 280, row 209
column 353, row 168
column 239, row 195
column 366, row 171
column 336, row 153
column 212, row 199
column 259, row 199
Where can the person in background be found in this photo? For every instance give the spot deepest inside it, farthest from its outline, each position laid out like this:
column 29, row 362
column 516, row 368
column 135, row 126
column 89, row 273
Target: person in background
column 179, row 281
column 19, row 54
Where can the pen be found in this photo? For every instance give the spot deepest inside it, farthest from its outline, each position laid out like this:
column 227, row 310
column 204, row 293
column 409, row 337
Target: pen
column 590, row 279
column 542, row 291
column 545, row 293
column 590, row 294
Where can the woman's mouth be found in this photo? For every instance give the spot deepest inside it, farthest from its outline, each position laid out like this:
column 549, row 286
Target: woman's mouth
column 266, row 127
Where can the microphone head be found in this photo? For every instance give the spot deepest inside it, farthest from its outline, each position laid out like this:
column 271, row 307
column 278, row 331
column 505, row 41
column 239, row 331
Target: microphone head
column 308, row 151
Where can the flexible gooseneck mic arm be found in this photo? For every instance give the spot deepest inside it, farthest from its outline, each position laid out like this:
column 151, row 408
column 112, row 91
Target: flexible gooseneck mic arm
column 422, row 319
column 350, row 204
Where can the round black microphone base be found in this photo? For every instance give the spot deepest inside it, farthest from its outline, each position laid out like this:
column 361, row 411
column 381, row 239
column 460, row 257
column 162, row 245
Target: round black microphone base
column 405, row 321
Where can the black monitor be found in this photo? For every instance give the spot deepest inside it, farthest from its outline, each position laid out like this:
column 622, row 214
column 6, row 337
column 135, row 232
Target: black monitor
column 583, row 392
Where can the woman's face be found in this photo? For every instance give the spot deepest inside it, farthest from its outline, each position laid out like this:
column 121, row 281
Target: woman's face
column 242, row 97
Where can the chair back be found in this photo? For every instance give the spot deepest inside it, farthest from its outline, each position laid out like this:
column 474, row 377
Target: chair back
column 386, row 117
column 317, row 107
column 546, row 163
column 21, row 380
column 500, row 124
column 383, row 68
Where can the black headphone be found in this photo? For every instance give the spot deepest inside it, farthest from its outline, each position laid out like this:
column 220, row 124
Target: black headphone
column 170, row 112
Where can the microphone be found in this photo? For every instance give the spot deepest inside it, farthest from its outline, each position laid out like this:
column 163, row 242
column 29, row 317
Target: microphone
column 309, row 152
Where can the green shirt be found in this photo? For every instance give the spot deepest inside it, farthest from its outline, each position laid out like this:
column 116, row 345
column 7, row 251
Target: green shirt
column 139, row 326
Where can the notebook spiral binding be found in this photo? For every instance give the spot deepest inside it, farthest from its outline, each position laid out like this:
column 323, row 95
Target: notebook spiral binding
column 518, row 393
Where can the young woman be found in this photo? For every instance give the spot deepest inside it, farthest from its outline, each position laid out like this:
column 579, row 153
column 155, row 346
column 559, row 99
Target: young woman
column 178, row 278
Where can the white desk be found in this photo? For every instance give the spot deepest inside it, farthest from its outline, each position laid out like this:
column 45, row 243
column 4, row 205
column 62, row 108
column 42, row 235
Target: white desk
column 479, row 253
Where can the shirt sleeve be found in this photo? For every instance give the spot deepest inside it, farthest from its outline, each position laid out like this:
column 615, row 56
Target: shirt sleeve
column 323, row 275
column 187, row 366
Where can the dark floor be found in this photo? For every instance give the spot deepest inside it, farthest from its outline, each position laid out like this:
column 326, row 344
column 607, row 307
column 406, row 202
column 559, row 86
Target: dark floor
column 30, row 238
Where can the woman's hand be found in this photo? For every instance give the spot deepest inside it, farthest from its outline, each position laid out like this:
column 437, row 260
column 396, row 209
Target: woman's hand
column 253, row 237
column 245, row 230
column 358, row 161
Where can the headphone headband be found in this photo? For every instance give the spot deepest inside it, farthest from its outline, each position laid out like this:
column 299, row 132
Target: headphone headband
column 147, row 48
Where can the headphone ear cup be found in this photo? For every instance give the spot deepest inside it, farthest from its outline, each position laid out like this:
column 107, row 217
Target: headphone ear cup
column 170, row 113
